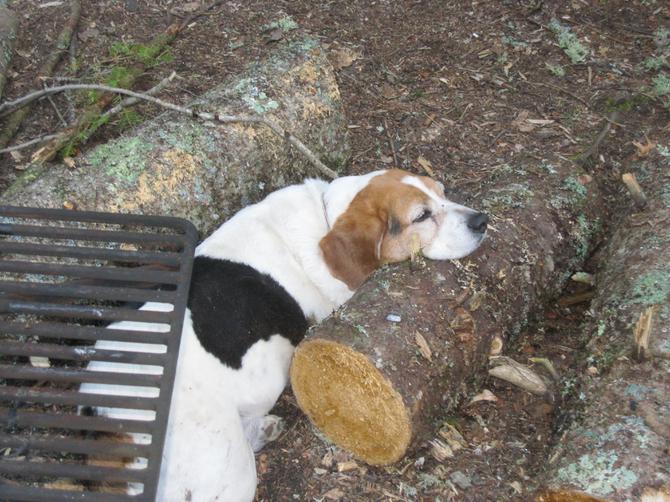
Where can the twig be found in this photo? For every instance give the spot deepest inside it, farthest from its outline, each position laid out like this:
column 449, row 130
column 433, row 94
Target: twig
column 21, row 146
column 564, row 91
column 202, row 10
column 390, row 140
column 595, row 146
column 8, row 106
column 131, row 101
column 14, row 122
column 58, row 113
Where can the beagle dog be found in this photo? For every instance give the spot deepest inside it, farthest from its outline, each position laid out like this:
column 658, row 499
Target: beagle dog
column 258, row 282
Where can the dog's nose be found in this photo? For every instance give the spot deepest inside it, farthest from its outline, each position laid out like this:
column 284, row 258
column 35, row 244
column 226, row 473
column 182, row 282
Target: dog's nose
column 477, row 222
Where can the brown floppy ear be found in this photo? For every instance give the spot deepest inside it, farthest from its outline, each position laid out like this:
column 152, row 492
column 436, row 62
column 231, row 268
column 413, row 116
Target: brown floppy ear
column 351, row 248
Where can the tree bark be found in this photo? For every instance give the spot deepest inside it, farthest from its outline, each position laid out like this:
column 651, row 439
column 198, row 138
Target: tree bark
column 381, row 374
column 8, row 26
column 617, row 448
column 180, row 166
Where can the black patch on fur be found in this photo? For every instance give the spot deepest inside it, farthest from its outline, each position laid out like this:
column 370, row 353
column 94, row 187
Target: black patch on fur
column 395, row 227
column 233, row 306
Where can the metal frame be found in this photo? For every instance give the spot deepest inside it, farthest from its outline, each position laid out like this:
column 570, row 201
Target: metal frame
column 91, row 266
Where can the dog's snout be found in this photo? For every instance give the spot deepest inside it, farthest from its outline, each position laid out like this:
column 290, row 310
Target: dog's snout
column 477, row 222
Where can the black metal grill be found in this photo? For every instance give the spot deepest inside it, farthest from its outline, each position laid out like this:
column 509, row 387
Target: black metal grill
column 64, row 276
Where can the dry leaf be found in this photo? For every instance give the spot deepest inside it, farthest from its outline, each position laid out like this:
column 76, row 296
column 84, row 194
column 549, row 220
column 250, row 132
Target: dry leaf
column 453, row 437
column 485, row 395
column 518, row 374
column 463, row 325
column 424, row 348
column 40, row 362
column 427, row 166
column 346, row 466
column 644, row 149
column 496, row 346
column 344, row 57
column 440, row 450
column 334, row 494
column 69, row 162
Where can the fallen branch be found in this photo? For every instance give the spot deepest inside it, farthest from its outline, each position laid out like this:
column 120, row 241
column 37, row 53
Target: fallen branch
column 8, row 106
column 62, row 44
column 90, row 119
column 35, row 141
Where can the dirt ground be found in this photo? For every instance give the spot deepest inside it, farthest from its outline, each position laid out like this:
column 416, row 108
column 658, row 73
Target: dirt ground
column 464, row 87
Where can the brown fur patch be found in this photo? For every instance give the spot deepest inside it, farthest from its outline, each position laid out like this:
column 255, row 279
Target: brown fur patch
column 350, row 249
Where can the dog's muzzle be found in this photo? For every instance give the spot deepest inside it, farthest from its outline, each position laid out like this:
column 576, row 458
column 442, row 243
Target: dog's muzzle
column 478, row 222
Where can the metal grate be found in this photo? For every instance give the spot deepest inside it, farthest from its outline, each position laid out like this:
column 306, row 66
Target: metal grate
column 64, row 277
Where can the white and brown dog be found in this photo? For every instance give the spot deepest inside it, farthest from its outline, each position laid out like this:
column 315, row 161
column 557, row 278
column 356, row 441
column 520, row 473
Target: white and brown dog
column 258, row 281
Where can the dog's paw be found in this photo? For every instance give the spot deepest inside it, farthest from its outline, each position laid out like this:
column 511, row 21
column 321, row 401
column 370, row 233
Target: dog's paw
column 272, row 427
column 262, row 430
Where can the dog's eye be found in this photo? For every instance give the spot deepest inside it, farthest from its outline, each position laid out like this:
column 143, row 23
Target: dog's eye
column 425, row 214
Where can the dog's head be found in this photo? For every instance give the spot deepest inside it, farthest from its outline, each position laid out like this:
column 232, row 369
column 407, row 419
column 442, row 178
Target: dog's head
column 387, row 216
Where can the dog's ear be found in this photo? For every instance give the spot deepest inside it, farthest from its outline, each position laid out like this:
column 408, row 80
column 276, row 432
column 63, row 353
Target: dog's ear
column 351, row 248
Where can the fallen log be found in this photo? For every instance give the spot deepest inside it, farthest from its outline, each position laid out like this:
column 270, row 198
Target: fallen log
column 204, row 171
column 617, row 448
column 8, row 27
column 378, row 376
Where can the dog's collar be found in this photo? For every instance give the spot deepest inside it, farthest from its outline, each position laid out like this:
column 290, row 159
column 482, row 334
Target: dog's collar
column 325, row 210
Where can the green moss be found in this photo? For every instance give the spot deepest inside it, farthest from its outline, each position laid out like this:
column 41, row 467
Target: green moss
column 572, row 194
column 512, row 196
column 569, row 42
column 652, row 288
column 149, row 54
column 286, row 23
column 596, row 474
column 123, row 159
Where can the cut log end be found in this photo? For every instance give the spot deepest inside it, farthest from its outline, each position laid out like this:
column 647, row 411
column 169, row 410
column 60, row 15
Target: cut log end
column 349, row 399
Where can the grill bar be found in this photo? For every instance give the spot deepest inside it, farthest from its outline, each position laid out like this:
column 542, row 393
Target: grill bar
column 84, row 312
column 88, row 235
column 30, row 494
column 15, row 418
column 88, row 333
column 65, row 290
column 74, row 398
column 62, row 276
column 78, row 446
column 79, row 353
column 87, row 472
column 77, row 376
column 111, row 273
column 20, row 248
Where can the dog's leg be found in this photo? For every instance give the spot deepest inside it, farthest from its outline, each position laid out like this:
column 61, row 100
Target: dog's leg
column 262, row 430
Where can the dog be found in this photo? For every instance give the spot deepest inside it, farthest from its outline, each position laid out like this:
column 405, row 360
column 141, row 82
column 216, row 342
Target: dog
column 258, row 281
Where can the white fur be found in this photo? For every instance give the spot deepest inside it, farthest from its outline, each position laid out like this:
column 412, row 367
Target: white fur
column 450, row 238
column 218, row 415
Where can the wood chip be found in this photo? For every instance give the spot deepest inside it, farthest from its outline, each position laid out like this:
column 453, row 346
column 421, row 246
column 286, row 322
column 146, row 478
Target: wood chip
column 440, row 450
column 485, row 395
column 496, row 346
column 424, row 348
column 346, row 466
column 427, row 166
column 518, row 374
column 334, row 494
column 642, row 332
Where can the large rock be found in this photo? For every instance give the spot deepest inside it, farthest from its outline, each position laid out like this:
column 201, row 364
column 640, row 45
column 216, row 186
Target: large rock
column 180, row 166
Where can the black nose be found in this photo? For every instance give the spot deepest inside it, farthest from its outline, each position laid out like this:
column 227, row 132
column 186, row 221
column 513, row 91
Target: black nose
column 477, row 222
